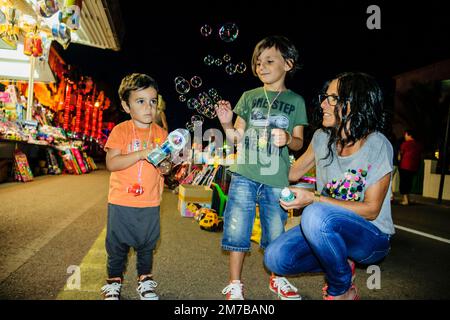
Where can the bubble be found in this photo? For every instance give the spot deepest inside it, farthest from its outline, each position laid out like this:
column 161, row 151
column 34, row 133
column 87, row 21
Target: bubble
column 182, row 87
column 213, row 92
column 204, row 99
column 230, row 69
column 210, row 112
column 241, row 67
column 228, row 32
column 182, row 98
column 196, row 81
column 216, row 98
column 197, row 120
column 178, row 79
column 206, row 30
column 190, row 126
column 227, row 57
column 209, row 60
column 218, row 62
column 193, row 103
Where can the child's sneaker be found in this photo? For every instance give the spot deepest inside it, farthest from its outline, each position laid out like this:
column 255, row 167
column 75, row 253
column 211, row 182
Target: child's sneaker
column 111, row 290
column 234, row 291
column 283, row 288
column 146, row 289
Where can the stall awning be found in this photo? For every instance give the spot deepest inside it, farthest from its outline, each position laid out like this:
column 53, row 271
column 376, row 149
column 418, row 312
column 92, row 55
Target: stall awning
column 99, row 23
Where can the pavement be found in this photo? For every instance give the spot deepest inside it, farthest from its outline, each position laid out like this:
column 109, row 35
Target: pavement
column 52, row 233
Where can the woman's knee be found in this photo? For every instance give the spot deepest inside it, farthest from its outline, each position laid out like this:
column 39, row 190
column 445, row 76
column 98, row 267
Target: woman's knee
column 313, row 217
column 272, row 257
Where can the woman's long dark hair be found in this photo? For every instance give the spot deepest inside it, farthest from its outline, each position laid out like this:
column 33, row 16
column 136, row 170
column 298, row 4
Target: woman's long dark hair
column 366, row 110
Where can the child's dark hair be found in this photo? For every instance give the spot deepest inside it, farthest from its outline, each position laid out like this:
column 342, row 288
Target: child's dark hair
column 135, row 81
column 284, row 45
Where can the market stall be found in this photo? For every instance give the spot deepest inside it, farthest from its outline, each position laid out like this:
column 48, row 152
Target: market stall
column 48, row 117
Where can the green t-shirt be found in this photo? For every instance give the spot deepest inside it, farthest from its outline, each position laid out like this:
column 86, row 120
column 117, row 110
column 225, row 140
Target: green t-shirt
column 257, row 158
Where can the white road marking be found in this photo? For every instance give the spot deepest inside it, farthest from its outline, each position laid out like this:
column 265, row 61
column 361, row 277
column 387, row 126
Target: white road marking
column 420, row 233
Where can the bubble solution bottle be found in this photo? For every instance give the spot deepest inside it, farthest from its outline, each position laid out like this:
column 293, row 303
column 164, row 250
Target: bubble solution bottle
column 176, row 140
column 287, row 195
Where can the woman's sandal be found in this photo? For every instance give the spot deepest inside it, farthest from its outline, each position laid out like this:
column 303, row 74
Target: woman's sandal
column 356, row 297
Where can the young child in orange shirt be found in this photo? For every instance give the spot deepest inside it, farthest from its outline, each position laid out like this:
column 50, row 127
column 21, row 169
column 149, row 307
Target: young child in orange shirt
column 135, row 187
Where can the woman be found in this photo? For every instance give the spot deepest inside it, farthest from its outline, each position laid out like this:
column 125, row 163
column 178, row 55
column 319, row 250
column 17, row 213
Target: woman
column 350, row 218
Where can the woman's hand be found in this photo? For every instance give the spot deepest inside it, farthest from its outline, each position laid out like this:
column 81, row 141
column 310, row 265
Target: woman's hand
column 224, row 112
column 303, row 197
column 280, row 137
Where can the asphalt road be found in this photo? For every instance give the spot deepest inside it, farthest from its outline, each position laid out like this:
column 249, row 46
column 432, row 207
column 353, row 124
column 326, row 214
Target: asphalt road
column 56, row 222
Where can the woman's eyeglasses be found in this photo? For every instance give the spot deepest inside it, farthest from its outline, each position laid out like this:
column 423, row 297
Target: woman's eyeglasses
column 331, row 99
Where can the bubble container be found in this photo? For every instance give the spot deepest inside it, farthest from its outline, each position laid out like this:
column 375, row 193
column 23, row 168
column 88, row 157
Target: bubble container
column 176, row 140
column 287, row 195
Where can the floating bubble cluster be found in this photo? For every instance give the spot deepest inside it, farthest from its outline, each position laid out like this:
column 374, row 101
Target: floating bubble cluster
column 182, row 98
column 230, row 67
column 229, row 32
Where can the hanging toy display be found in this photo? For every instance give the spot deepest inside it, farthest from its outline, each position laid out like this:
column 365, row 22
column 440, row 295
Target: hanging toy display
column 71, row 13
column 47, row 8
column 10, row 30
column 61, row 33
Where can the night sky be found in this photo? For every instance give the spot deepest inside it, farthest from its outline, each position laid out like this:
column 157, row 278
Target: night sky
column 164, row 41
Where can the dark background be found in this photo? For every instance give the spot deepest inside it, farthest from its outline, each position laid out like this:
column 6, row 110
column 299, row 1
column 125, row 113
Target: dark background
column 163, row 39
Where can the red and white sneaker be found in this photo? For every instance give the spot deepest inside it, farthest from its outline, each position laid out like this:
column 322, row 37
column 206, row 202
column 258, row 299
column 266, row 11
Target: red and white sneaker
column 352, row 267
column 283, row 288
column 234, row 291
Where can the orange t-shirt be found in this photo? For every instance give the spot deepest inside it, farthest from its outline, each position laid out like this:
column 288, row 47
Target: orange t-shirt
column 122, row 137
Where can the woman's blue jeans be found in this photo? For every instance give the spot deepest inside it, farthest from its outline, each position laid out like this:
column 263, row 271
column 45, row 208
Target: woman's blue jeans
column 327, row 236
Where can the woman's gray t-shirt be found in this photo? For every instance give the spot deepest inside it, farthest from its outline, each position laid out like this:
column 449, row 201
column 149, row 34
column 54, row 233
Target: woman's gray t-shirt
column 347, row 178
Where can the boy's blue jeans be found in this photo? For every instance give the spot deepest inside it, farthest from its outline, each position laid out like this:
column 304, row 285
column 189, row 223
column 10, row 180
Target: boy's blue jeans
column 326, row 237
column 240, row 210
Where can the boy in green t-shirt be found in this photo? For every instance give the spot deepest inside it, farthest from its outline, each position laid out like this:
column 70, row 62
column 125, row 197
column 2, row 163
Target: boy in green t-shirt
column 270, row 120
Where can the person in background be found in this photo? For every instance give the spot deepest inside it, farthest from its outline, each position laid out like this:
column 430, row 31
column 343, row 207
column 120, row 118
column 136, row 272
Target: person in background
column 160, row 118
column 410, row 156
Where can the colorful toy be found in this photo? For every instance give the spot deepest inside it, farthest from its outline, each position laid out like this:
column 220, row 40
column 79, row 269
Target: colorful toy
column 22, row 168
column 223, row 198
column 208, row 219
column 135, row 189
column 174, row 143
